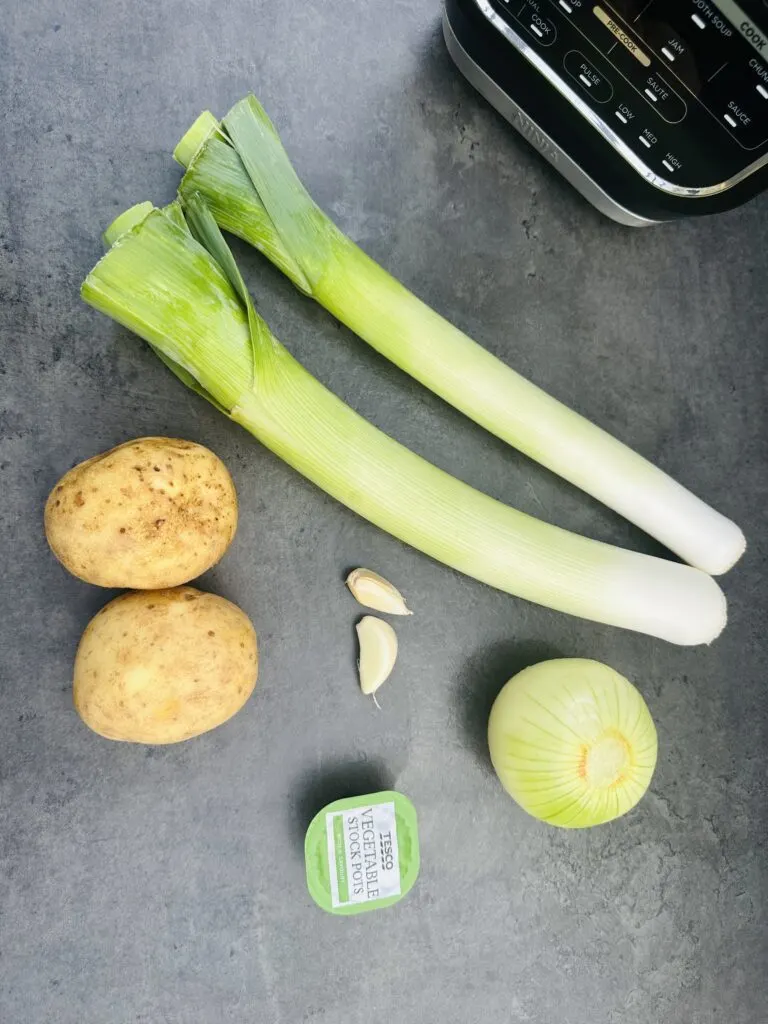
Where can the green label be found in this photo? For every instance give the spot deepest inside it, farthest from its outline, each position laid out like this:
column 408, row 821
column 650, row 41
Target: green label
column 362, row 852
column 340, row 858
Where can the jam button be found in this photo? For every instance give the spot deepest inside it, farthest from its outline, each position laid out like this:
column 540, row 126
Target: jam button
column 589, row 78
column 542, row 29
column 692, row 52
column 675, row 50
column 663, row 99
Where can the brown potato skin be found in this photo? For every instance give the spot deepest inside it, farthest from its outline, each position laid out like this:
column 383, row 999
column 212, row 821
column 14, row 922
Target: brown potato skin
column 163, row 666
column 152, row 513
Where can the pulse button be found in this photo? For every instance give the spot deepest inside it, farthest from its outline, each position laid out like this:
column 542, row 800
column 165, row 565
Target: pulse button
column 589, row 78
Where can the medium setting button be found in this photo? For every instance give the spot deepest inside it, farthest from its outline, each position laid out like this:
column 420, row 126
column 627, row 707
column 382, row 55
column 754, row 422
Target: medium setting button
column 589, row 78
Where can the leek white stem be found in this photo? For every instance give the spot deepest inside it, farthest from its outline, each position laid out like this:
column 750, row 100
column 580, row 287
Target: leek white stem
column 253, row 191
column 160, row 282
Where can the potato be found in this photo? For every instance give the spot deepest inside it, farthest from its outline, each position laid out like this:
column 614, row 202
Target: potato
column 151, row 513
column 165, row 665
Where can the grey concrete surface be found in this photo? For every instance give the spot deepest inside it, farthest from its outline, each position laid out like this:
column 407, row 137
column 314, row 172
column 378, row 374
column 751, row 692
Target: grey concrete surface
column 165, row 886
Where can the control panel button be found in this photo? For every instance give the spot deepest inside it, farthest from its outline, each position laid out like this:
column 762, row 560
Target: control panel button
column 745, row 124
column 540, row 27
column 648, row 138
column 675, row 51
column 631, row 55
column 675, row 33
column 672, row 163
column 733, row 98
column 624, row 113
column 759, row 69
column 706, row 17
column 660, row 94
column 587, row 75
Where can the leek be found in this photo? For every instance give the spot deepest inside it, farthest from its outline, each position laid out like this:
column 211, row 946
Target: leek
column 189, row 302
column 253, row 191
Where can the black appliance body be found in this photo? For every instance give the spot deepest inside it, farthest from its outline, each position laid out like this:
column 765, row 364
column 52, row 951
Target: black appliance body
column 652, row 109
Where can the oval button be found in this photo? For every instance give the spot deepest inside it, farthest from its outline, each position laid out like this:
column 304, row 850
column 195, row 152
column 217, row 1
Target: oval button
column 660, row 95
column 589, row 78
column 541, row 28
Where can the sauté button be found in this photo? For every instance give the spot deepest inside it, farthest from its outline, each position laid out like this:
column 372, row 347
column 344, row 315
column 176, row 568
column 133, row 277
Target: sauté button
column 663, row 98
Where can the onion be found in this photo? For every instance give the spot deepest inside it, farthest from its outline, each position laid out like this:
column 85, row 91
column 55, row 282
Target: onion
column 573, row 742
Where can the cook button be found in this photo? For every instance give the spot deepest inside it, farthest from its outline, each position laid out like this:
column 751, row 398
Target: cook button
column 542, row 29
column 589, row 78
column 661, row 97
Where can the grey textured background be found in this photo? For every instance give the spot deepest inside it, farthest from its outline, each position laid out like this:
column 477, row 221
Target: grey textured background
column 165, row 886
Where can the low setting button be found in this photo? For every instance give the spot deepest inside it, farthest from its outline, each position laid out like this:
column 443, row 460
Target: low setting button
column 624, row 114
column 589, row 78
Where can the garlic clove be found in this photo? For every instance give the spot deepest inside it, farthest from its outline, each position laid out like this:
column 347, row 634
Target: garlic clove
column 378, row 652
column 373, row 591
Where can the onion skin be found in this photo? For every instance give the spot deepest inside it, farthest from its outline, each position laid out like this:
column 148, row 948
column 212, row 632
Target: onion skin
column 573, row 742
